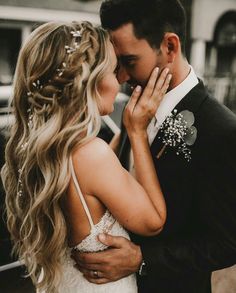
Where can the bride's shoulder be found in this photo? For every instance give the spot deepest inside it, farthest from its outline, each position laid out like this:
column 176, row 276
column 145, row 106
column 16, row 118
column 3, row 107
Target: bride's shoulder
column 95, row 150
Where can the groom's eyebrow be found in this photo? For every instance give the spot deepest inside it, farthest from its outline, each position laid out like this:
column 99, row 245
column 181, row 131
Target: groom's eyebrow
column 125, row 58
column 128, row 56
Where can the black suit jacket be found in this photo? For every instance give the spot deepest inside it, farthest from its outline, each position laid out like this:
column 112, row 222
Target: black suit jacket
column 200, row 233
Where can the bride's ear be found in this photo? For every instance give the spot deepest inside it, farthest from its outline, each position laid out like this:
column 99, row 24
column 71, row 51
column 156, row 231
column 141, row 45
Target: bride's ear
column 171, row 46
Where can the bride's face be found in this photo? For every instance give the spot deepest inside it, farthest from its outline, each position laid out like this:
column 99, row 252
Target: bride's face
column 108, row 87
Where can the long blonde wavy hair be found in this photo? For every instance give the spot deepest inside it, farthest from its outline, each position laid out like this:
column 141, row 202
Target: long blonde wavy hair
column 64, row 114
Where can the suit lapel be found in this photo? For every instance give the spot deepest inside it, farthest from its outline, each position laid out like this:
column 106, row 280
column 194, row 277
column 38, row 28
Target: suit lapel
column 192, row 102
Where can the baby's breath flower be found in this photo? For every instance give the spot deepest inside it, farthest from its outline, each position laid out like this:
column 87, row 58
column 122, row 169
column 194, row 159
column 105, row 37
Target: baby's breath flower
column 179, row 132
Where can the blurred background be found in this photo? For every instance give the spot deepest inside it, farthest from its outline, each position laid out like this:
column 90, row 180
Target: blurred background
column 211, row 49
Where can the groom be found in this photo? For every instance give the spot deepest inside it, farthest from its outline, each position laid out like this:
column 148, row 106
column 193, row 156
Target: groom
column 200, row 233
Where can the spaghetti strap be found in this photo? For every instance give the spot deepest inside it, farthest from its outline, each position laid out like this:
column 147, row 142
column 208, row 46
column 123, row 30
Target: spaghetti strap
column 80, row 193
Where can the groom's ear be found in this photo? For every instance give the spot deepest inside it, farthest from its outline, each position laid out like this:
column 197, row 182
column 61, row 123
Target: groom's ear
column 171, row 46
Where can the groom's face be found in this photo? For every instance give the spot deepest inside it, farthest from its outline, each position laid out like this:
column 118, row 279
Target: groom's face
column 136, row 57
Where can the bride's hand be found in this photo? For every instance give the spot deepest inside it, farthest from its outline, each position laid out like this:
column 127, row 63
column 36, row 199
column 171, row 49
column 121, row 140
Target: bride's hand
column 142, row 106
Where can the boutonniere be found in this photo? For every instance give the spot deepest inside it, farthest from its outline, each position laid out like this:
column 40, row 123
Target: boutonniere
column 179, row 133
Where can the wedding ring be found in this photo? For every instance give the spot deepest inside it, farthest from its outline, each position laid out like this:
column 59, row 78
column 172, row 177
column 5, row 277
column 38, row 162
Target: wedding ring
column 95, row 274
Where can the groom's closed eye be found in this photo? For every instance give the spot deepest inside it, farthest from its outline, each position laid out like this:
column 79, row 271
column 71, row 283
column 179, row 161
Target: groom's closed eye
column 128, row 61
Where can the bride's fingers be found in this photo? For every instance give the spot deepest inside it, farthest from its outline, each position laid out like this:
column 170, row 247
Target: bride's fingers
column 166, row 83
column 162, row 77
column 151, row 83
column 134, row 98
column 162, row 85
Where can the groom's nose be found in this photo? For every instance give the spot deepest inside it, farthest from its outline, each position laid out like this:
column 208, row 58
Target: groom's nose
column 122, row 75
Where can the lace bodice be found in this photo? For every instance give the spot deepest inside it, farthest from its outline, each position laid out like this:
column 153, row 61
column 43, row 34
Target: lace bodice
column 90, row 243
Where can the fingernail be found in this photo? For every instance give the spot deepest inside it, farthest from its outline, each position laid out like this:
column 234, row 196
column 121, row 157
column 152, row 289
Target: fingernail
column 169, row 76
column 138, row 88
column 167, row 70
column 102, row 237
column 156, row 69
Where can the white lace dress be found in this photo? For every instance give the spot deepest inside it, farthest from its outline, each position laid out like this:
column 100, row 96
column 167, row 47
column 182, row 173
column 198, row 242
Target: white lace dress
column 72, row 280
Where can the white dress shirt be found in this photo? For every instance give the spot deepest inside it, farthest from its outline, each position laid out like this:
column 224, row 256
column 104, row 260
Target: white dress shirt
column 167, row 105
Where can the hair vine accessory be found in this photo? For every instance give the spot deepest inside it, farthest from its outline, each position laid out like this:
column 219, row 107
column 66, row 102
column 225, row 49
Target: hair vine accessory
column 19, row 184
column 24, row 146
column 61, row 70
column 71, row 49
column 179, row 132
column 76, row 35
column 37, row 84
column 19, row 187
column 30, row 118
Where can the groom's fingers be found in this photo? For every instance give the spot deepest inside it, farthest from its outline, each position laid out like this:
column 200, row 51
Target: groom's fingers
column 89, row 267
column 111, row 241
column 97, row 281
column 100, row 278
column 87, row 258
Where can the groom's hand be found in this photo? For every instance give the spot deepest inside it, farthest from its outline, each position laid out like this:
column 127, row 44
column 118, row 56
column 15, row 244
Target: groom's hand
column 121, row 259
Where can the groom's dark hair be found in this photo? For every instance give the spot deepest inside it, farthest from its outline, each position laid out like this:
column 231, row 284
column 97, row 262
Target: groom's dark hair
column 151, row 18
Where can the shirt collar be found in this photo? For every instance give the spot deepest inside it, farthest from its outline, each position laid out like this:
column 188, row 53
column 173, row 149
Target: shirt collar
column 174, row 96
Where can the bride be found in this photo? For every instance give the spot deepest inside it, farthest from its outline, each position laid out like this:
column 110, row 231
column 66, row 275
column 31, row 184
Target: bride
column 64, row 185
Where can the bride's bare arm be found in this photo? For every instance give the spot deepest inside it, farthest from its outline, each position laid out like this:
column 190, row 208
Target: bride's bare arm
column 100, row 174
column 136, row 121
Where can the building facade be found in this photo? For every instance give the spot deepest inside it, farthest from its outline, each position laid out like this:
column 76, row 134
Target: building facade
column 213, row 47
